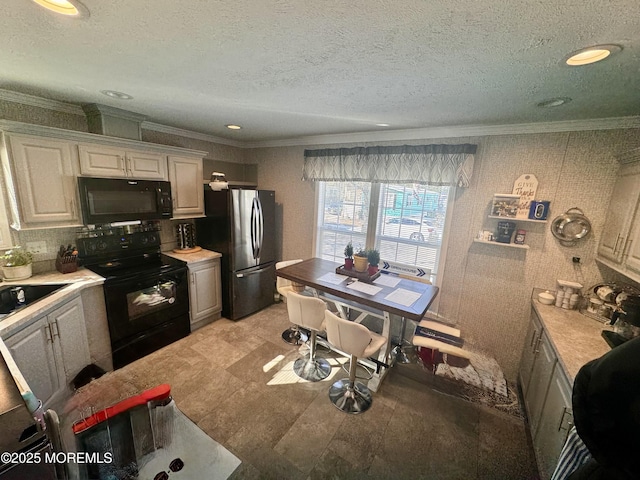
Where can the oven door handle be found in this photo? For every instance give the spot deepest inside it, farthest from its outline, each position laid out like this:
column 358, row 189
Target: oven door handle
column 254, row 272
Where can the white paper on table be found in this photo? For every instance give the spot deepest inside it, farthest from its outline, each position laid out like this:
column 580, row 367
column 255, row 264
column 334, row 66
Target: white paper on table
column 387, row 280
column 403, row 297
column 333, row 278
column 365, row 288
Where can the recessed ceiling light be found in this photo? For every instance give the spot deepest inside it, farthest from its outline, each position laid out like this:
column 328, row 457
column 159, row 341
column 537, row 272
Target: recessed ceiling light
column 116, row 95
column 382, row 124
column 593, row 54
column 70, row 8
column 554, row 102
column 233, row 127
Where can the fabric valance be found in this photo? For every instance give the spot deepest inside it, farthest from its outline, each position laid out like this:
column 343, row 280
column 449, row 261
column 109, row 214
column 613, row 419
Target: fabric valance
column 426, row 164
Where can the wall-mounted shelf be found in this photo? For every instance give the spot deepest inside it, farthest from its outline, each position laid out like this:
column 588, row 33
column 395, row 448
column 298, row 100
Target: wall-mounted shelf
column 511, row 219
column 511, row 245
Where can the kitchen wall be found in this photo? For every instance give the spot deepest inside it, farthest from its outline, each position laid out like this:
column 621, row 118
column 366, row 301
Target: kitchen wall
column 486, row 289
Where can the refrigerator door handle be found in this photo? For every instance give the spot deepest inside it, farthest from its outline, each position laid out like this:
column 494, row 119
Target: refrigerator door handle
column 260, row 227
column 254, row 272
column 253, row 228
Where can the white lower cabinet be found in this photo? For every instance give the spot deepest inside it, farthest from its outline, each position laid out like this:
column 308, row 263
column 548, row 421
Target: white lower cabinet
column 205, row 294
column 547, row 397
column 52, row 350
column 556, row 419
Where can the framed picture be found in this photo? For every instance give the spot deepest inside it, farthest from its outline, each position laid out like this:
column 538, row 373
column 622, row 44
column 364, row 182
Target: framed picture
column 505, row 205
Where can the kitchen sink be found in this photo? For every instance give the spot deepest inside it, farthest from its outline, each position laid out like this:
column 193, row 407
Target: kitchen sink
column 32, row 293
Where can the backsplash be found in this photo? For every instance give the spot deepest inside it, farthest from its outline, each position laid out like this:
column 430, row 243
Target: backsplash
column 54, row 237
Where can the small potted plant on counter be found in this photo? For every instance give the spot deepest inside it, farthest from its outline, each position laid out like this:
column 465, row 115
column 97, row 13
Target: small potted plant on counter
column 373, row 256
column 16, row 264
column 360, row 261
column 348, row 256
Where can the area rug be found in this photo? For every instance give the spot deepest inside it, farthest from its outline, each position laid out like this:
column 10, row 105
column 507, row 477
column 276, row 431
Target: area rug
column 481, row 381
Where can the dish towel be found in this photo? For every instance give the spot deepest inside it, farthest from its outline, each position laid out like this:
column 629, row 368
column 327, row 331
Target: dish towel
column 574, row 454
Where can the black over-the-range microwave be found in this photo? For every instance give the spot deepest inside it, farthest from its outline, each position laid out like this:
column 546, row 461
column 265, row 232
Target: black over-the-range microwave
column 108, row 200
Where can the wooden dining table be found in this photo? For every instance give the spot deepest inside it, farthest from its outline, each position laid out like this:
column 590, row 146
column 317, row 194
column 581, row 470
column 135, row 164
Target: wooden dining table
column 318, row 275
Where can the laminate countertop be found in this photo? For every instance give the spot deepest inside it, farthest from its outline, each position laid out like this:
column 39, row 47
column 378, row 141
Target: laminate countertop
column 575, row 337
column 74, row 283
column 196, row 257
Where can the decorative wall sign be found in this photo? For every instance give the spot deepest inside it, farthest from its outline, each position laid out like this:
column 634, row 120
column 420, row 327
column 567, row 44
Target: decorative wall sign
column 526, row 186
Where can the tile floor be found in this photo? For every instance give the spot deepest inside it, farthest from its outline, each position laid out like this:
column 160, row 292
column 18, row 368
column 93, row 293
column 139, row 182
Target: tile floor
column 234, row 380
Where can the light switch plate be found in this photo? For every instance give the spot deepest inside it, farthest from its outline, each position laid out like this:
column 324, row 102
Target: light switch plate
column 37, row 247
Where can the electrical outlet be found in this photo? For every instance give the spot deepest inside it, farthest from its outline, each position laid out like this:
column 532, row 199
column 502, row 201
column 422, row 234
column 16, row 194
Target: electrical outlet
column 37, row 247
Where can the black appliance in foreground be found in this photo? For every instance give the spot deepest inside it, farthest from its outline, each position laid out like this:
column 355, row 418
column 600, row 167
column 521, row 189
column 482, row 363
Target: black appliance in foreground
column 146, row 293
column 22, row 439
column 240, row 224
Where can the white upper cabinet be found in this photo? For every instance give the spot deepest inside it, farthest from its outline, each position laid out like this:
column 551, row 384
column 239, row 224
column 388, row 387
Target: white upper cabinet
column 619, row 246
column 40, row 175
column 622, row 207
column 103, row 161
column 40, row 167
column 5, row 232
column 187, row 186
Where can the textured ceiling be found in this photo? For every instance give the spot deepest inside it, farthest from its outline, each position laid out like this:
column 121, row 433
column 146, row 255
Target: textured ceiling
column 286, row 69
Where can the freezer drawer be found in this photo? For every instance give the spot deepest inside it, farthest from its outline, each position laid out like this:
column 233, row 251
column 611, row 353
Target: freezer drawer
column 251, row 290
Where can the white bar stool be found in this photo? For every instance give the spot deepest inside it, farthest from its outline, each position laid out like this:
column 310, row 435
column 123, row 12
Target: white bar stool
column 308, row 312
column 357, row 341
column 291, row 335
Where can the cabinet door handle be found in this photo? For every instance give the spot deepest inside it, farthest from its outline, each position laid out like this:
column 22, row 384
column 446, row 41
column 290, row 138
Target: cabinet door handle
column 566, row 411
column 627, row 247
column 193, row 279
column 533, row 337
column 537, row 347
column 615, row 247
column 56, row 332
column 47, row 330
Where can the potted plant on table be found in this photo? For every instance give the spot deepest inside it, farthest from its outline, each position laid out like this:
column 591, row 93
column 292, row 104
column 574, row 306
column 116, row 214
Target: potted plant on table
column 373, row 256
column 348, row 256
column 16, row 264
column 360, row 261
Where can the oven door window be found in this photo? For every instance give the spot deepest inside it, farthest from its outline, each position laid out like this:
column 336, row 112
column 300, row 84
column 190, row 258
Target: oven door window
column 138, row 304
column 151, row 299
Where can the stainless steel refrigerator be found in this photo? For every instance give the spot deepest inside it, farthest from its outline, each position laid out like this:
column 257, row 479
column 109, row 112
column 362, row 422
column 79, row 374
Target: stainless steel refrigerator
column 239, row 224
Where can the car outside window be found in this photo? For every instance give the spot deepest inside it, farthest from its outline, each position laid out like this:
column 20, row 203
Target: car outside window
column 408, row 223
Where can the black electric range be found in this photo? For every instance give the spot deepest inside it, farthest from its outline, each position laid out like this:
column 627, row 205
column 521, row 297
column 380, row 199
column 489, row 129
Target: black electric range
column 146, row 292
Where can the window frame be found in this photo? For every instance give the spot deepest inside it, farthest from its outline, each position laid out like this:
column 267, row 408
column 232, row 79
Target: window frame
column 372, row 224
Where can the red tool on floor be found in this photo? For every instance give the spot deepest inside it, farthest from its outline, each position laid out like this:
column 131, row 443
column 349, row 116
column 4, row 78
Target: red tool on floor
column 126, row 432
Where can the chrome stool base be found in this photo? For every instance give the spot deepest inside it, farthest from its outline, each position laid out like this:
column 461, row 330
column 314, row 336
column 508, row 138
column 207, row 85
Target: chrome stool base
column 350, row 399
column 312, row 370
column 294, row 336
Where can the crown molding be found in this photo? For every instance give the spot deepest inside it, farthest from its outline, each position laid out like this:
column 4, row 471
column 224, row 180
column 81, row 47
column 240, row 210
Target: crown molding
column 10, row 126
column 357, row 137
column 611, row 123
column 158, row 127
column 34, row 101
